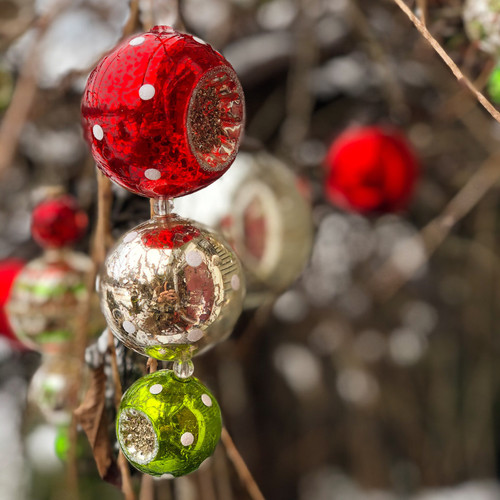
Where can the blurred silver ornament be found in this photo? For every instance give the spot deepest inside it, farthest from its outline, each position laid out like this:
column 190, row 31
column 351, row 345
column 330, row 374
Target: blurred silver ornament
column 57, row 387
column 260, row 210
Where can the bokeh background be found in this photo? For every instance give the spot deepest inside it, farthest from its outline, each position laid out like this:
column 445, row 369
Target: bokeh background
column 375, row 376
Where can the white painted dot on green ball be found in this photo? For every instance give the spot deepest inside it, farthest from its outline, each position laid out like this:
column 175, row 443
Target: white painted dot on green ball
column 152, row 174
column 194, row 258
column 130, row 236
column 128, row 326
column 235, row 282
column 136, row 41
column 147, row 92
column 195, row 334
column 98, row 132
column 187, row 439
column 156, row 389
column 206, row 400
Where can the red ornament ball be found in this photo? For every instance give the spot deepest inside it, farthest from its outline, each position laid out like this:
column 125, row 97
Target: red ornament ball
column 371, row 169
column 163, row 114
column 9, row 269
column 58, row 222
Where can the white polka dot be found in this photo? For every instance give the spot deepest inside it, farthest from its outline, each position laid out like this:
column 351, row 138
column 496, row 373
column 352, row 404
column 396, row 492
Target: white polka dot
column 152, row 174
column 195, row 334
column 194, row 258
column 187, row 438
column 128, row 327
column 206, row 399
column 136, row 41
column 146, row 92
column 164, row 476
column 130, row 237
column 235, row 282
column 156, row 389
column 98, row 132
column 199, row 40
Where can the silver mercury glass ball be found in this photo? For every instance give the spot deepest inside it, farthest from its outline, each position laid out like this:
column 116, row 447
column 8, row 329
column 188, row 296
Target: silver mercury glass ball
column 171, row 288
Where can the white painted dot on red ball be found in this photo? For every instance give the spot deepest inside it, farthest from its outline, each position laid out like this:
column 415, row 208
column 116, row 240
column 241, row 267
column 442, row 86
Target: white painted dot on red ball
column 98, row 132
column 136, row 41
column 194, row 258
column 199, row 40
column 187, row 439
column 146, row 92
column 235, row 282
column 130, row 236
column 206, row 400
column 152, row 174
column 156, row 389
column 128, row 326
column 195, row 334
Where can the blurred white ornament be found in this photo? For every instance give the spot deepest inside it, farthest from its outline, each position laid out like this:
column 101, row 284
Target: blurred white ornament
column 40, row 450
column 481, row 20
column 76, row 38
column 258, row 207
column 299, row 367
column 406, row 347
column 357, row 386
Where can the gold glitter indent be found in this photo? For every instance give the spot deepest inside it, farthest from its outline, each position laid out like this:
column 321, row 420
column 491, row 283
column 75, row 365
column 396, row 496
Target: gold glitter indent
column 138, row 436
column 215, row 119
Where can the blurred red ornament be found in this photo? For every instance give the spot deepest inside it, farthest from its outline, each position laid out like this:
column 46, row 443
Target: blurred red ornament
column 58, row 221
column 371, row 169
column 9, row 268
column 163, row 114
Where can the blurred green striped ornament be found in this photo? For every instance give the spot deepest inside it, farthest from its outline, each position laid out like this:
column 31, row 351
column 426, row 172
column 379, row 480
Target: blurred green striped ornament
column 46, row 299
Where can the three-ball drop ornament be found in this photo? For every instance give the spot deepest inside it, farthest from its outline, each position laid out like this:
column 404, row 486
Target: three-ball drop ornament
column 163, row 114
column 171, row 288
column 168, row 425
column 371, row 170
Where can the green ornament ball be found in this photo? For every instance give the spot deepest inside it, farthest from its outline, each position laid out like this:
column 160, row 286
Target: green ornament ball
column 62, row 444
column 494, row 85
column 168, row 425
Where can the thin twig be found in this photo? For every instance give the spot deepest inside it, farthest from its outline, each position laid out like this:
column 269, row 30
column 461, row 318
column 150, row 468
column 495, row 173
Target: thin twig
column 449, row 61
column 389, row 277
column 147, row 488
column 391, row 87
column 131, row 24
column 300, row 103
column 152, row 365
column 241, row 467
column 422, row 7
column 22, row 99
column 127, row 488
